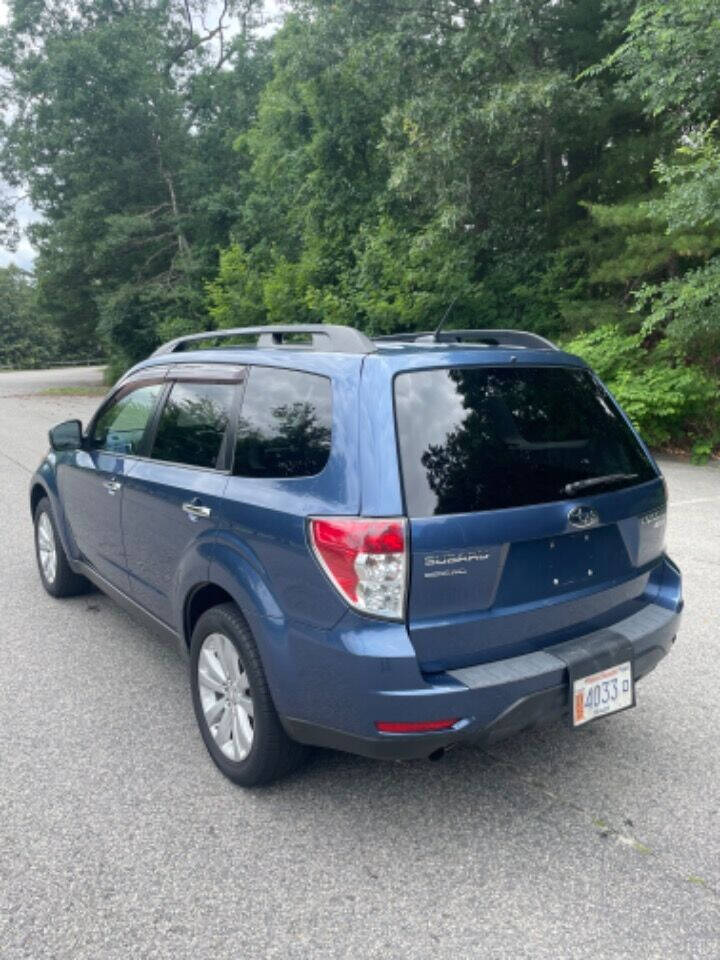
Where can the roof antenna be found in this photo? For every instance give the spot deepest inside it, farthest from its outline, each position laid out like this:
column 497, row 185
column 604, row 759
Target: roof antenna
column 444, row 317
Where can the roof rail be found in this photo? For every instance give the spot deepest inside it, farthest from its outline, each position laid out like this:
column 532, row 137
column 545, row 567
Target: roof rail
column 329, row 337
column 491, row 338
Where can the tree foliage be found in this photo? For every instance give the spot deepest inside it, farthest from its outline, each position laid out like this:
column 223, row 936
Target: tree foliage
column 122, row 126
column 545, row 164
column 27, row 339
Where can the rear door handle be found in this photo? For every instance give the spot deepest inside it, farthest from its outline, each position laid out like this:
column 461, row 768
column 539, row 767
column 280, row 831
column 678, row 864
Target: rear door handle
column 196, row 509
column 112, row 486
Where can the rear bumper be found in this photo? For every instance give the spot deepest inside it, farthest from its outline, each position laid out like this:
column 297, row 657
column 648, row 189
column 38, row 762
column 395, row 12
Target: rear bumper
column 498, row 699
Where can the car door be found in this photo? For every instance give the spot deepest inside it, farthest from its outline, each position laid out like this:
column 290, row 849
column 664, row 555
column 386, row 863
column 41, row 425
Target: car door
column 172, row 498
column 91, row 483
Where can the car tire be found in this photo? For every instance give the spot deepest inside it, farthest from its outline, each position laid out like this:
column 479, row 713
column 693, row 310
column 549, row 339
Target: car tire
column 56, row 574
column 232, row 701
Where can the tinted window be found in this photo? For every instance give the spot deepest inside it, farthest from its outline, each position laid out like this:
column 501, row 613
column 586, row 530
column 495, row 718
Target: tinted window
column 285, row 424
column 193, row 423
column 485, row 438
column 121, row 427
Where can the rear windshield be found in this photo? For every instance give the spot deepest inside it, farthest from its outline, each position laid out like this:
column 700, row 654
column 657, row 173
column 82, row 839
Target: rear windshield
column 485, row 438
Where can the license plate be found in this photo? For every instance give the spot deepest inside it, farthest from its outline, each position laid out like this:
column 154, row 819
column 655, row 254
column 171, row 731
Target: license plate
column 602, row 693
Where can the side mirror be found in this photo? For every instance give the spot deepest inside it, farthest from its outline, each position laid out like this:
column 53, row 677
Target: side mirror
column 66, row 436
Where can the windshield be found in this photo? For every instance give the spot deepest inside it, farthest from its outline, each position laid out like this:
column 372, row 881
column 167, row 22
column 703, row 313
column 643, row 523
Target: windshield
column 486, row 438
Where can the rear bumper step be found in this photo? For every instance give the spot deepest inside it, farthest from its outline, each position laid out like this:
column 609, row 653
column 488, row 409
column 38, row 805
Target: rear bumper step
column 502, row 698
column 646, row 632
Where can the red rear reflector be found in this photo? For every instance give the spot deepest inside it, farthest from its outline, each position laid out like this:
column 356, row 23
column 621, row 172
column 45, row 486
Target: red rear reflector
column 425, row 727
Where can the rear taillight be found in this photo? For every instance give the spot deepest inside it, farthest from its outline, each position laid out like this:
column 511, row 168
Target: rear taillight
column 366, row 561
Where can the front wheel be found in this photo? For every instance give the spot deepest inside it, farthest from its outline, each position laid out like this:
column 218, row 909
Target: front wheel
column 56, row 574
column 232, row 702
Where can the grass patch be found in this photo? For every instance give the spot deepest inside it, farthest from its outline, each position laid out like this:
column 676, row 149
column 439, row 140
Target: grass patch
column 96, row 390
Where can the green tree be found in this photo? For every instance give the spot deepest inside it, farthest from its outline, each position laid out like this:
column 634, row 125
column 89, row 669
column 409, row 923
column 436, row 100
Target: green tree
column 666, row 258
column 670, row 60
column 26, row 339
column 408, row 154
column 122, row 126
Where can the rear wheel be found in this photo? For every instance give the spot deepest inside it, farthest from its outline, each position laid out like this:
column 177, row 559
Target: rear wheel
column 232, row 702
column 55, row 571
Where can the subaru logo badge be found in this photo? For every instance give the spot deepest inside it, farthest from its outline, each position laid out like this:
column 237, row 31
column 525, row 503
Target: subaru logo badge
column 583, row 517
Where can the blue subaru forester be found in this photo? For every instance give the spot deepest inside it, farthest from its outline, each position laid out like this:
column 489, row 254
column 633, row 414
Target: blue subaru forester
column 384, row 546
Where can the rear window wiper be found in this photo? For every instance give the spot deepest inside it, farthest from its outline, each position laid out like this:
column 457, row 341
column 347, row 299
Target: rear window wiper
column 609, row 478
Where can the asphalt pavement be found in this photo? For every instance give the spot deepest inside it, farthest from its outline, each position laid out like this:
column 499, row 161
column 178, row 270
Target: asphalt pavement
column 120, row 839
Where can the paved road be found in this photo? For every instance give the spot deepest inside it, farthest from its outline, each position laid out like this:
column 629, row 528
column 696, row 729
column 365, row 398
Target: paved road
column 20, row 383
column 119, row 839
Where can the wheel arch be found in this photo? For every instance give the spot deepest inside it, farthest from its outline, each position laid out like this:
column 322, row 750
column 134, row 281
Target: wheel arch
column 37, row 493
column 269, row 633
column 201, row 598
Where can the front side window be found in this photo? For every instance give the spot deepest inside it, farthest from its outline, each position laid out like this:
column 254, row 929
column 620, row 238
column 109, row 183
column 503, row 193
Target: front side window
column 121, row 426
column 486, row 438
column 285, row 424
column 193, row 424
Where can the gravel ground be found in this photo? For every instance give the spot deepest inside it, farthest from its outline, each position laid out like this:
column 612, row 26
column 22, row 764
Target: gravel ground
column 119, row 839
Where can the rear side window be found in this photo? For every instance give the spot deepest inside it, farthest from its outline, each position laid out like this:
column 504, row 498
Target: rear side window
column 285, row 424
column 486, row 438
column 193, row 424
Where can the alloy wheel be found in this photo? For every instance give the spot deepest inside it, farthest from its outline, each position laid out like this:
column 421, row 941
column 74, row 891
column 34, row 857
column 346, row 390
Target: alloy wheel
column 47, row 550
column 225, row 696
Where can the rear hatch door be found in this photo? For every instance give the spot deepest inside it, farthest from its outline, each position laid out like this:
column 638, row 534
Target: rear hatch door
column 535, row 513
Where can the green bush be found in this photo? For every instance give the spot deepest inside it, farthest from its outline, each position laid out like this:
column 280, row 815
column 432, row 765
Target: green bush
column 669, row 402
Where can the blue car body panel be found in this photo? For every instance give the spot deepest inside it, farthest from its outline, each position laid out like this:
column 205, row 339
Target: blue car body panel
column 92, row 514
column 484, row 647
column 165, row 548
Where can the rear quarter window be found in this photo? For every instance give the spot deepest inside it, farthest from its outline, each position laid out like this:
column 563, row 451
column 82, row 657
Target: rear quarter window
column 487, row 438
column 285, row 424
